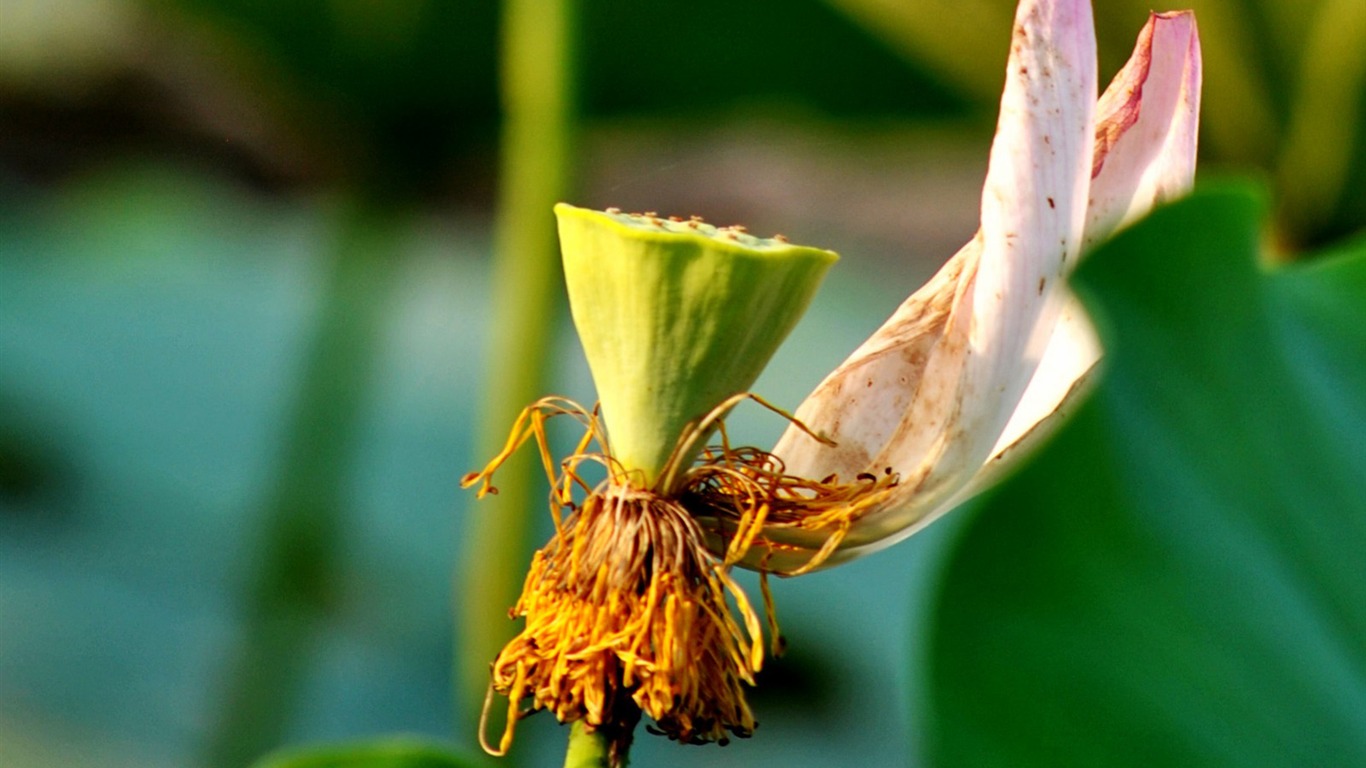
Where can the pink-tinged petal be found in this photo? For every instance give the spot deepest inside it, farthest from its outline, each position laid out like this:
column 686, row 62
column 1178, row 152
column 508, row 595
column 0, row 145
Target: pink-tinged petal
column 1065, row 375
column 860, row 404
column 1058, row 386
column 1146, row 126
column 1033, row 213
column 965, row 369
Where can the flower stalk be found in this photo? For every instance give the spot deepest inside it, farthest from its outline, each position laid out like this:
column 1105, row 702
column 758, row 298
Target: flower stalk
column 593, row 748
column 536, row 168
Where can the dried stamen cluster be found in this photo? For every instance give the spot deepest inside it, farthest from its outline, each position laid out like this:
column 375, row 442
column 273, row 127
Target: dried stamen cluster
column 626, row 608
column 623, row 602
column 744, row 496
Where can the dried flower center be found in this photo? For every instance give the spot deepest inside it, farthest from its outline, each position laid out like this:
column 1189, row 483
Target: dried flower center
column 626, row 609
column 625, row 602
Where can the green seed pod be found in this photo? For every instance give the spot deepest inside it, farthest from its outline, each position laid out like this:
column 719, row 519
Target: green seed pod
column 675, row 317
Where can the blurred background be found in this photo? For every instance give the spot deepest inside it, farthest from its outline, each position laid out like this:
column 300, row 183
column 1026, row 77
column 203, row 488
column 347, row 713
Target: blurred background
column 274, row 275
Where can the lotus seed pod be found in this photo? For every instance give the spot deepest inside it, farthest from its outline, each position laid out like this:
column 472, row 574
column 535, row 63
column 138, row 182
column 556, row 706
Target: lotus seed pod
column 675, row 317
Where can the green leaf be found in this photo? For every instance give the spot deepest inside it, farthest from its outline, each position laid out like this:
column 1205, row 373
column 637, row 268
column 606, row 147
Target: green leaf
column 1180, row 577
column 391, row 752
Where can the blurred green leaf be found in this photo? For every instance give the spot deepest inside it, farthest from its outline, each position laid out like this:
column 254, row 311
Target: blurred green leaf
column 1178, row 579
column 1315, row 173
column 394, row 752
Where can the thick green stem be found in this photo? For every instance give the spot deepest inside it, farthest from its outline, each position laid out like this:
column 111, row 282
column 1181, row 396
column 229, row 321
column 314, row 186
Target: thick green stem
column 587, row 749
column 295, row 564
column 607, row 746
column 537, row 147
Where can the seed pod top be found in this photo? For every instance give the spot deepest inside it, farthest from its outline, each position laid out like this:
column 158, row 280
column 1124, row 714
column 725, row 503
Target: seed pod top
column 676, row 315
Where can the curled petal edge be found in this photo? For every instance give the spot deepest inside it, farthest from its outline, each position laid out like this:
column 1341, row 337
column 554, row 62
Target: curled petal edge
column 1147, row 125
column 1144, row 151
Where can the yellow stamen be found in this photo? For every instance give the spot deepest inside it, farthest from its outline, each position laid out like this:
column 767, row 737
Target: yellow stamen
column 626, row 609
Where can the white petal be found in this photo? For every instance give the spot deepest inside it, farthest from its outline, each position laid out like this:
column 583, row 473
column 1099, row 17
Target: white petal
column 1033, row 214
column 949, row 377
column 860, row 404
column 1146, row 126
column 1058, row 386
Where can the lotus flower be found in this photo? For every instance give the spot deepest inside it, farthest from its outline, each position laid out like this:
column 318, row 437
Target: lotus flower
column 983, row 361
column 631, row 607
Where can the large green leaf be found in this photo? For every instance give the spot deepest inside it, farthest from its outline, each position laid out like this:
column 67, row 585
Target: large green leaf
column 392, row 752
column 1179, row 579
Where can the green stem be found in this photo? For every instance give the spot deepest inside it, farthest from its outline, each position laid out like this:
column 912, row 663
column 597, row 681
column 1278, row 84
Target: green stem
column 295, row 563
column 537, row 147
column 587, row 749
column 607, row 746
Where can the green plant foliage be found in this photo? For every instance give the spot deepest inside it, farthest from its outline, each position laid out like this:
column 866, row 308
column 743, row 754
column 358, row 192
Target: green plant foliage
column 1180, row 577
column 395, row 752
column 397, row 90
